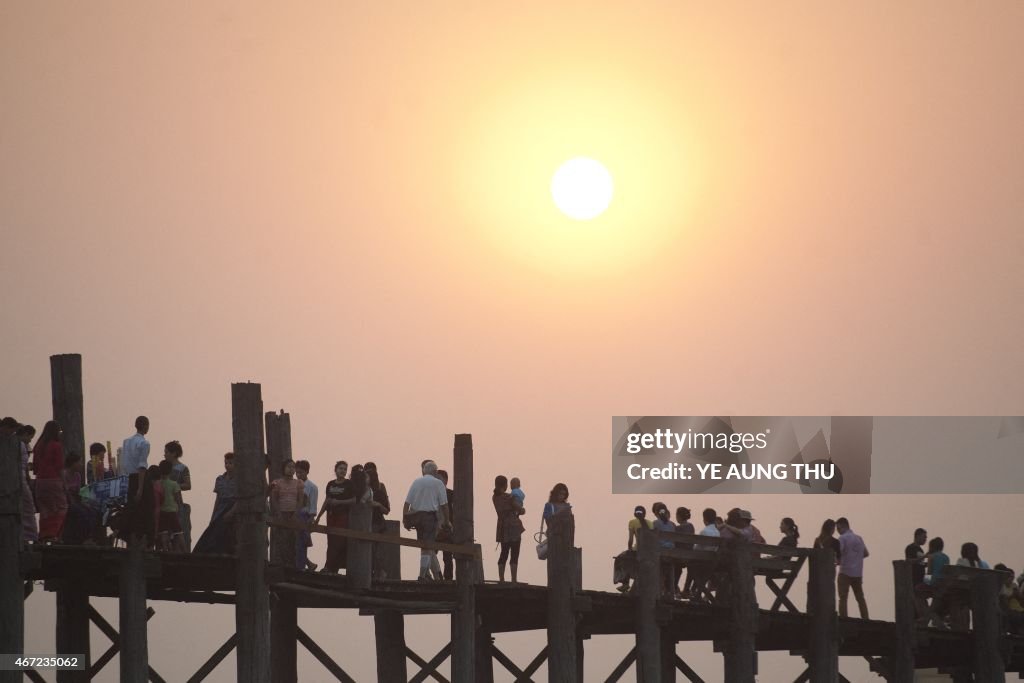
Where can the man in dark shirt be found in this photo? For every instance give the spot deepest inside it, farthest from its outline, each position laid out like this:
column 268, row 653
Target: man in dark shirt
column 445, row 536
column 915, row 552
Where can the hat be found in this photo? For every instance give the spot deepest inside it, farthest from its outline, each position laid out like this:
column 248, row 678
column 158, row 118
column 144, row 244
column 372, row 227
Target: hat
column 745, row 514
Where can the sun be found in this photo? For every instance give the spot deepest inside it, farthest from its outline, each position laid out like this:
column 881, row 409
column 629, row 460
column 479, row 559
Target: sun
column 582, row 188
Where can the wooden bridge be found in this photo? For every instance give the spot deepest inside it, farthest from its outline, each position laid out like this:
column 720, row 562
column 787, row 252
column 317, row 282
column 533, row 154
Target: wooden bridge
column 267, row 596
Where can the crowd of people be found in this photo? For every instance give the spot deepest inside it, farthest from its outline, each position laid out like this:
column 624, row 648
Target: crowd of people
column 59, row 506
column 848, row 548
column 59, row 502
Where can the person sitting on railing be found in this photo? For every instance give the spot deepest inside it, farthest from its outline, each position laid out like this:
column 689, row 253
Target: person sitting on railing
column 1010, row 601
column 624, row 570
column 969, row 557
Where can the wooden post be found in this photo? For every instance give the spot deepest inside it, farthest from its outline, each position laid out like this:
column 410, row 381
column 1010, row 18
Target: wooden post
column 577, row 584
column 740, row 648
column 484, row 659
column 279, row 449
column 650, row 658
column 279, row 442
column 389, row 624
column 986, row 627
column 73, row 629
column 360, row 553
column 12, row 597
column 284, row 622
column 66, row 389
column 464, row 620
column 132, row 609
column 562, row 642
column 823, row 658
column 252, row 603
column 902, row 664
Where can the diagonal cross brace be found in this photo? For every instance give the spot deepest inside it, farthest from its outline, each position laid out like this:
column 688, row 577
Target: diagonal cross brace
column 522, row 675
column 115, row 640
column 323, row 657
column 429, row 668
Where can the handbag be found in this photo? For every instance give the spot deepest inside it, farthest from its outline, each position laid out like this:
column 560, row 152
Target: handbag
column 542, row 542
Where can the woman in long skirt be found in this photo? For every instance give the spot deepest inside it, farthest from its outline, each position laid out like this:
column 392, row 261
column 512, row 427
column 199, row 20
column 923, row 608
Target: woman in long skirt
column 51, row 498
column 337, row 492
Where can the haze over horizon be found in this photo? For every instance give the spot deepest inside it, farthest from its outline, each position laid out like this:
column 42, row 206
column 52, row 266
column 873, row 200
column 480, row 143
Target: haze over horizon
column 817, row 211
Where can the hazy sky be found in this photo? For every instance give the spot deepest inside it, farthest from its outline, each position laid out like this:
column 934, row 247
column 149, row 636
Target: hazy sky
column 818, row 210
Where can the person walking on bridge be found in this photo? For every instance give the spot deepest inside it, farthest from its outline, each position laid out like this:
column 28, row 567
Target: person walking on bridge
column 426, row 501
column 852, row 553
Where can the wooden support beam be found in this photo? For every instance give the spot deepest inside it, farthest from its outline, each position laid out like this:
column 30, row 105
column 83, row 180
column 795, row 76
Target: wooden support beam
column 284, row 617
column 12, row 591
column 484, row 661
column 823, row 658
column 901, row 668
column 73, row 629
column 430, row 668
column 66, row 391
column 279, row 442
column 111, row 633
column 464, row 618
column 429, row 607
column 740, row 649
column 132, row 609
column 686, row 670
column 359, row 569
column 649, row 642
column 324, row 658
column 468, row 550
column 389, row 624
column 252, row 603
column 986, row 626
column 562, row 637
column 215, row 659
column 623, row 667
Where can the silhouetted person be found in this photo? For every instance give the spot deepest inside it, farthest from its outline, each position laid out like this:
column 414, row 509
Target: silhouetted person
column 852, row 553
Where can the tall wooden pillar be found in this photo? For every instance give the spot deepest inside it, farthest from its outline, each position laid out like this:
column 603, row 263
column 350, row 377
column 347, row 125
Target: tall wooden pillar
column 823, row 657
column 902, row 663
column 359, row 570
column 252, row 603
column 740, row 648
column 132, row 612
column 284, row 623
column 66, row 389
column 562, row 638
column 73, row 629
column 389, row 624
column 279, row 442
column 464, row 619
column 986, row 627
column 650, row 658
column 12, row 597
column 279, row 448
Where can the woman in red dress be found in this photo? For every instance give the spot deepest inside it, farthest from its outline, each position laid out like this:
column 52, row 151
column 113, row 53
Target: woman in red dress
column 51, row 498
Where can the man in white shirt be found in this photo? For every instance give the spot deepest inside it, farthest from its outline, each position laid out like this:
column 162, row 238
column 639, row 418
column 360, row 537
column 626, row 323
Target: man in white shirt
column 697, row 575
column 427, row 498
column 135, row 458
column 305, row 539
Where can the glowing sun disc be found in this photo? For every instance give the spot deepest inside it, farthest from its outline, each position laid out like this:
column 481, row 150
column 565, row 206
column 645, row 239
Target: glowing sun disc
column 582, row 188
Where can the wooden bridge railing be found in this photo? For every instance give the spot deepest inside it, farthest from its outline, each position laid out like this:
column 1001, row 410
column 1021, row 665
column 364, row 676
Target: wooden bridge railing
column 466, row 551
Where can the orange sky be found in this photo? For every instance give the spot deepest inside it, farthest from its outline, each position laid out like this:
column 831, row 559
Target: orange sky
column 818, row 211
